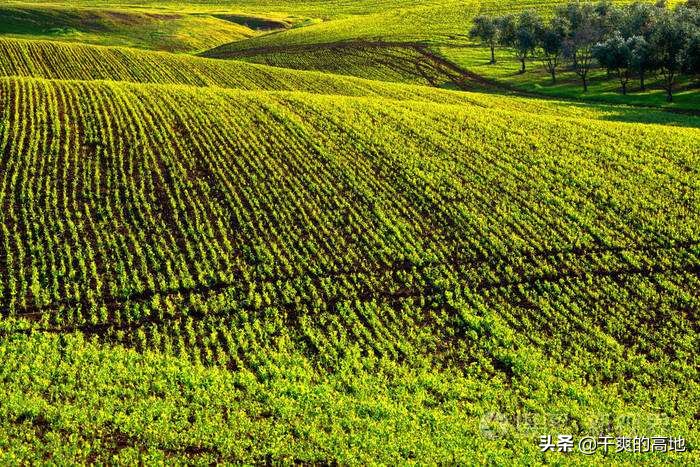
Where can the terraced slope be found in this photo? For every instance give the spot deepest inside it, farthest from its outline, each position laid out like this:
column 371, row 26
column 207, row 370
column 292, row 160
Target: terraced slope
column 553, row 261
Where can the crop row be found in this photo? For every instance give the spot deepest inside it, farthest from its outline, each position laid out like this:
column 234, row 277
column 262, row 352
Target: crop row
column 118, row 198
column 60, row 61
column 55, row 60
column 362, row 59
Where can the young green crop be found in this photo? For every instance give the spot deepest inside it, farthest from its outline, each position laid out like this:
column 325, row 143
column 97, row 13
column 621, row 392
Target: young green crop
column 234, row 230
column 50, row 60
column 211, row 261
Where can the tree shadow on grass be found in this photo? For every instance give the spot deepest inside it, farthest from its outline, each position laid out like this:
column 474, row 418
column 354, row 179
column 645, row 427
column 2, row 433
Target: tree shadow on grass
column 666, row 117
column 643, row 115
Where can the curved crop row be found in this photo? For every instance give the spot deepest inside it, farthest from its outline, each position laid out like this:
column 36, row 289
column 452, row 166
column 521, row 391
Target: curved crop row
column 150, row 214
column 362, row 59
column 56, row 61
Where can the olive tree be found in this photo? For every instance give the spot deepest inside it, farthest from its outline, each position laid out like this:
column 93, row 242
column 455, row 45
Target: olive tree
column 551, row 45
column 670, row 41
column 521, row 33
column 485, row 28
column 615, row 54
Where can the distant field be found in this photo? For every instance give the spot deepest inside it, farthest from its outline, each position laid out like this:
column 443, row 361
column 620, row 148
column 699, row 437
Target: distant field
column 159, row 29
column 377, row 61
column 441, row 27
column 46, row 59
column 306, row 35
column 57, row 61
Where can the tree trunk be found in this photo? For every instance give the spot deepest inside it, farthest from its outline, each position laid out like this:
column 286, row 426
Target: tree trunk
column 554, row 76
column 493, row 54
column 522, row 65
column 641, row 81
column 669, row 94
column 585, row 84
column 623, row 76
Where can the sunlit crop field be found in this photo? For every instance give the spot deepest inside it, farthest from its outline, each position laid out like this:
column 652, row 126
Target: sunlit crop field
column 335, row 242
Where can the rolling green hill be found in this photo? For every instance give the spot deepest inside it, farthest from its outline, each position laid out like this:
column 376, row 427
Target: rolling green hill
column 407, row 63
column 165, row 219
column 54, row 60
column 78, row 62
column 151, row 29
column 331, row 240
column 393, row 39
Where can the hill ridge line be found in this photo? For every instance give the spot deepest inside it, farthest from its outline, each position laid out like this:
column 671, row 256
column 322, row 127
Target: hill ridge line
column 423, row 100
column 483, row 83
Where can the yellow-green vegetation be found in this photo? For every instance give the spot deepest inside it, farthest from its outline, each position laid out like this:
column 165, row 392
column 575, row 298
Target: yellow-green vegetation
column 341, row 45
column 307, row 34
column 217, row 261
column 372, row 60
column 55, row 60
column 172, row 233
column 158, row 29
column 77, row 62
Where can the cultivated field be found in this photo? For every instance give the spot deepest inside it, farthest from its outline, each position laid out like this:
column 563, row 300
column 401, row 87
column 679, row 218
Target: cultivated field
column 327, row 239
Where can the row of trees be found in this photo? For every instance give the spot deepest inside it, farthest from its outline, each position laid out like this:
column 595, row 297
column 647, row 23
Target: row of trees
column 631, row 40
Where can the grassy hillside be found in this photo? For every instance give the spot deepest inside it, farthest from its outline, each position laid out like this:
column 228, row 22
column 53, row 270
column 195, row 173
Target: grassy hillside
column 331, row 239
column 431, row 20
column 151, row 29
column 60, row 61
column 341, row 45
column 165, row 219
column 601, row 87
column 55, row 60
column 338, row 37
column 371, row 60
